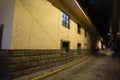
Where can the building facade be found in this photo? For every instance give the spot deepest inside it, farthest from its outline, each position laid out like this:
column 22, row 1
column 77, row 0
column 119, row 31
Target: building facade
column 39, row 34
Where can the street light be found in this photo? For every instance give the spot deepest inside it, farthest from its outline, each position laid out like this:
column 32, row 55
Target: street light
column 109, row 34
column 118, row 33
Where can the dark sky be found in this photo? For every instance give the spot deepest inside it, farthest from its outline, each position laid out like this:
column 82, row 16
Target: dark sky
column 100, row 12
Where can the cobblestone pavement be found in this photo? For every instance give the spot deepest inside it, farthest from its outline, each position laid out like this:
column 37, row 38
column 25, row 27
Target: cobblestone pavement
column 95, row 68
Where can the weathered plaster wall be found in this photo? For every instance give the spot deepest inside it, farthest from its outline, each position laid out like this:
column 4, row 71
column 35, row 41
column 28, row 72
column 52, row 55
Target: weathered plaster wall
column 38, row 25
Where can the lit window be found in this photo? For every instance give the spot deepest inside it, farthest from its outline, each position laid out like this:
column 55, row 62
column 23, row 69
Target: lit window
column 65, row 20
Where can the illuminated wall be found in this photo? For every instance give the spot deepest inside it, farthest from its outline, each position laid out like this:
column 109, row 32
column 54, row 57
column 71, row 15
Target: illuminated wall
column 99, row 44
column 38, row 25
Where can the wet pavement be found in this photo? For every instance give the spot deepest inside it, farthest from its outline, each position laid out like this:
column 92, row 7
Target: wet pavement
column 94, row 68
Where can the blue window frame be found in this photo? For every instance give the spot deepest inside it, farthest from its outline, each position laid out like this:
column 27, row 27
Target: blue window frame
column 65, row 20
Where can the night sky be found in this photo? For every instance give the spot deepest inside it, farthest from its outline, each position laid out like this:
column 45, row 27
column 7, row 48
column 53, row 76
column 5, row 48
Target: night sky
column 100, row 12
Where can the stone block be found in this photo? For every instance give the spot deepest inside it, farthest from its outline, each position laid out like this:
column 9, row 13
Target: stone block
column 31, row 53
column 24, row 59
column 28, row 71
column 57, row 55
column 34, row 64
column 34, row 58
column 49, row 56
column 41, row 52
column 51, row 61
column 41, row 63
column 32, row 70
column 14, row 60
column 46, row 61
column 16, row 53
column 37, row 69
column 53, row 56
column 54, row 60
column 15, row 74
column 17, row 67
column 27, row 65
column 47, row 66
column 43, row 57
column 44, row 67
column 40, row 58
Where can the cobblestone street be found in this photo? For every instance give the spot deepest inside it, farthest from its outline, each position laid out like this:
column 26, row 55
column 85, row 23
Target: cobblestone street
column 94, row 68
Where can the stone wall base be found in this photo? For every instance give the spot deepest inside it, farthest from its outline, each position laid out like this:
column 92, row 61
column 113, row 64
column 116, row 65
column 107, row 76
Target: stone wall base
column 17, row 63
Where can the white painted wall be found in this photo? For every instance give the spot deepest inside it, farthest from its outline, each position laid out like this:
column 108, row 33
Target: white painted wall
column 6, row 18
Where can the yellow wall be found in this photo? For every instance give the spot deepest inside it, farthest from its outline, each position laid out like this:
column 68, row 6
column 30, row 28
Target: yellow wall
column 37, row 25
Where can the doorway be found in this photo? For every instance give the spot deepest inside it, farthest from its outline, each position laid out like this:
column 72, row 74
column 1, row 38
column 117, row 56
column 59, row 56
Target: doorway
column 79, row 48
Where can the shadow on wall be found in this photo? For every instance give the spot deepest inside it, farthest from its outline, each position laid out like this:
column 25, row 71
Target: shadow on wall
column 4, row 66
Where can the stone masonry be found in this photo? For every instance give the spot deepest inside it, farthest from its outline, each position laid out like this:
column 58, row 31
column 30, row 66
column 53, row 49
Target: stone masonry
column 23, row 62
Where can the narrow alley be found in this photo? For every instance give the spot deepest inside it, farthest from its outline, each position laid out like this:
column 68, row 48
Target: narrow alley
column 94, row 68
column 59, row 39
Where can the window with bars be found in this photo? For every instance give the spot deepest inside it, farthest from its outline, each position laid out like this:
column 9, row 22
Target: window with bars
column 65, row 20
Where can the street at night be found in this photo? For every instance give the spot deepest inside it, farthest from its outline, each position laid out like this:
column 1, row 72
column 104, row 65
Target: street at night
column 60, row 39
column 94, row 68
